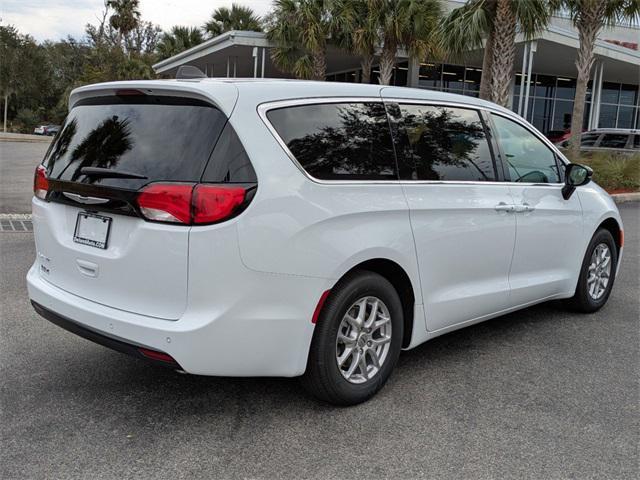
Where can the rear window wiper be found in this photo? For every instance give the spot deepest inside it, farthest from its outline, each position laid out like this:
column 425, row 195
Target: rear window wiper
column 109, row 173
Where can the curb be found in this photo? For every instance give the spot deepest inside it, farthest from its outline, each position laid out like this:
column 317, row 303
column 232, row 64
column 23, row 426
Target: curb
column 626, row 197
column 23, row 137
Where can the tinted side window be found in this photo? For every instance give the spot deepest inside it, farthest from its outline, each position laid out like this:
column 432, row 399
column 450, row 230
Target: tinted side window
column 588, row 139
column 443, row 143
column 528, row 159
column 338, row 141
column 229, row 162
column 614, row 140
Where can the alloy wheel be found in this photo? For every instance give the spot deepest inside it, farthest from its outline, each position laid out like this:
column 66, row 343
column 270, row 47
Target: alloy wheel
column 363, row 340
column 599, row 272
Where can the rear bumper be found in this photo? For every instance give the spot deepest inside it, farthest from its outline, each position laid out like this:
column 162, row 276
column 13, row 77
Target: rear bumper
column 99, row 338
column 266, row 334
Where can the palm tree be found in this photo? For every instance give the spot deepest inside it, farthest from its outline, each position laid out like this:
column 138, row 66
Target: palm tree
column 126, row 16
column 177, row 40
column 408, row 24
column 496, row 22
column 589, row 17
column 301, row 30
column 360, row 36
column 466, row 28
column 237, row 17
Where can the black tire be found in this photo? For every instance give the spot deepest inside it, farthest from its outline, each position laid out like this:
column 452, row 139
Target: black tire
column 323, row 378
column 582, row 301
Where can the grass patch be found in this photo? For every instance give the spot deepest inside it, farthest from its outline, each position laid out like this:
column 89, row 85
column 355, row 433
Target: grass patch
column 614, row 172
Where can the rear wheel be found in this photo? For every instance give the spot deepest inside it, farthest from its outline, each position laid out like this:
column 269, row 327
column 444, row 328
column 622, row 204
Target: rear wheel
column 597, row 273
column 357, row 340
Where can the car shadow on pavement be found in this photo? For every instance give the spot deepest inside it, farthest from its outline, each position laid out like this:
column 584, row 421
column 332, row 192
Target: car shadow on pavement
column 138, row 389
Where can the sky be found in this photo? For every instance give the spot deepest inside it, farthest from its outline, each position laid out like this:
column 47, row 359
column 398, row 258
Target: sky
column 56, row 19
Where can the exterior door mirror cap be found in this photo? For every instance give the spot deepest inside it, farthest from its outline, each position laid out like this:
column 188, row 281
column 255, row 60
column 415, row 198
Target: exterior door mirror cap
column 575, row 175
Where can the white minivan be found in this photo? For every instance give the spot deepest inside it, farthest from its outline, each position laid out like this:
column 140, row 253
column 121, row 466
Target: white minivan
column 292, row 228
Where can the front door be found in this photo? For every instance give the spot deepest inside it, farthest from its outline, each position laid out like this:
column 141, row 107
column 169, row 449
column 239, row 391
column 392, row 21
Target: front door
column 547, row 254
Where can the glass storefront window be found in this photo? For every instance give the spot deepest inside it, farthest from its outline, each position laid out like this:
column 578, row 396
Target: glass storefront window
column 430, row 75
column 472, row 81
column 628, row 94
column 566, row 88
column 400, row 74
column 610, row 92
column 453, row 78
column 625, row 117
column 542, row 108
column 608, row 114
column 562, row 115
column 545, row 86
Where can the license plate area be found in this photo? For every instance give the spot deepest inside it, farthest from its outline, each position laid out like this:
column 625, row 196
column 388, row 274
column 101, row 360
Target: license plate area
column 92, row 230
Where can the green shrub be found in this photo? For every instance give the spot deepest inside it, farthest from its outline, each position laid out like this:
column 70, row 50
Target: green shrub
column 614, row 171
column 26, row 120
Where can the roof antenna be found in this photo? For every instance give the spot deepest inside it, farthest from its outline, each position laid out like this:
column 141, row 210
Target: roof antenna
column 189, row 72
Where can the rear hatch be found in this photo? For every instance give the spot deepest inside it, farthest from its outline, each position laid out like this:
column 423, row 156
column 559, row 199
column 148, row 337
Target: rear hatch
column 91, row 237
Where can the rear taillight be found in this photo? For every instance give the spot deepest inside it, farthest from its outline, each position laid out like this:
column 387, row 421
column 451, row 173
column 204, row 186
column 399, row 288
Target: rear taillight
column 166, row 202
column 213, row 203
column 40, row 183
column 190, row 204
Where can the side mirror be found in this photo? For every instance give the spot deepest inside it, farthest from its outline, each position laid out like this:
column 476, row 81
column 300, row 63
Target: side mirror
column 575, row 175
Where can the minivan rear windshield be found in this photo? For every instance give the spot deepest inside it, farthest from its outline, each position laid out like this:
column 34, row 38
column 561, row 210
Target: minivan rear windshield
column 151, row 138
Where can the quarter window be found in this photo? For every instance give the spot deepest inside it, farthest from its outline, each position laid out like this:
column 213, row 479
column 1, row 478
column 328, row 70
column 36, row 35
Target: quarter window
column 527, row 158
column 338, row 141
column 442, row 143
column 229, row 162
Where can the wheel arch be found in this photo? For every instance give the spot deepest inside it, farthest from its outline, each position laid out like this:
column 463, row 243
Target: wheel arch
column 612, row 225
column 398, row 277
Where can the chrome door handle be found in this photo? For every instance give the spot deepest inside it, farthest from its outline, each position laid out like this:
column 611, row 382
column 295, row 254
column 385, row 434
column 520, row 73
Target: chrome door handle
column 503, row 207
column 525, row 207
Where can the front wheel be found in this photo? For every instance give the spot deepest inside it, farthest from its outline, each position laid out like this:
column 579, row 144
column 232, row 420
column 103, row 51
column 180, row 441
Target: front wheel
column 597, row 273
column 357, row 340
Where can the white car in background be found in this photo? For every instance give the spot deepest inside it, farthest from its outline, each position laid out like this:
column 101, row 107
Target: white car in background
column 618, row 140
column 285, row 228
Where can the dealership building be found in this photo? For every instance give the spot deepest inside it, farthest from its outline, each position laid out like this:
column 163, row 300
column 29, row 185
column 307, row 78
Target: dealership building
column 543, row 85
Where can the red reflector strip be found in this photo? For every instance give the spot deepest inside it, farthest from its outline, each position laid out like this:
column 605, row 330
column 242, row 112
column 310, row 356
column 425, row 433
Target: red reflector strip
column 160, row 356
column 316, row 312
column 125, row 92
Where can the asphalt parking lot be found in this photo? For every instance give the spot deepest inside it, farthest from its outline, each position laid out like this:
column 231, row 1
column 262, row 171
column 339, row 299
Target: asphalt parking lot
column 18, row 160
column 541, row 393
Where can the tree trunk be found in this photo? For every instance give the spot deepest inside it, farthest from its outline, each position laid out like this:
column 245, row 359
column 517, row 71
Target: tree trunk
column 6, row 107
column 487, row 61
column 365, row 63
column 589, row 24
column 319, row 67
column 504, row 52
column 387, row 62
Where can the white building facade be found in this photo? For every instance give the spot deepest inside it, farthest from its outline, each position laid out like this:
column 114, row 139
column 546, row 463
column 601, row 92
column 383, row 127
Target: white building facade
column 544, row 79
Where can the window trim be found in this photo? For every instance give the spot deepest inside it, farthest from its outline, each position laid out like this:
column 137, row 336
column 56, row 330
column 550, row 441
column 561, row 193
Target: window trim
column 263, row 108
